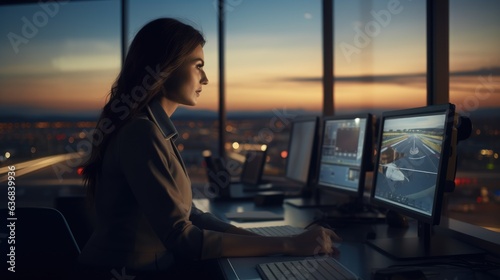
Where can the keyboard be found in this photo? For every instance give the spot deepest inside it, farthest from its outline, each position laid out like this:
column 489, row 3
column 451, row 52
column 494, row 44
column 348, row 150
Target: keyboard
column 277, row 230
column 311, row 268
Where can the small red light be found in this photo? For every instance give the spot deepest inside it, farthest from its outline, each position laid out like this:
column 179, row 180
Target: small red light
column 80, row 171
column 284, row 154
column 479, row 199
column 465, row 181
column 60, row 137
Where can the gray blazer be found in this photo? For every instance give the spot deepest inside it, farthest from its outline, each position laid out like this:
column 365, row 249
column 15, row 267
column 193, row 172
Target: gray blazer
column 143, row 200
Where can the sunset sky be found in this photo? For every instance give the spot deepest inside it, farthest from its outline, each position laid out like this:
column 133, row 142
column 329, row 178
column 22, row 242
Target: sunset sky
column 67, row 63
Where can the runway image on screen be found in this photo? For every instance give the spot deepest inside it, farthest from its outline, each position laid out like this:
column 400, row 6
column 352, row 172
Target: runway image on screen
column 409, row 161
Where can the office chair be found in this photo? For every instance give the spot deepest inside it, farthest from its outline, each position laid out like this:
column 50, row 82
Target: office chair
column 79, row 215
column 44, row 245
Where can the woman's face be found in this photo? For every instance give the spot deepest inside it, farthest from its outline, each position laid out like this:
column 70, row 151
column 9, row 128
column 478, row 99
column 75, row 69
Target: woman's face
column 187, row 81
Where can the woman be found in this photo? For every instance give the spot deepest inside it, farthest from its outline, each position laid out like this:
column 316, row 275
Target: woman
column 145, row 217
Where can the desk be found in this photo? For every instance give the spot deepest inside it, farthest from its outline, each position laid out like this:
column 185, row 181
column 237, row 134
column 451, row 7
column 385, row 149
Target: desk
column 356, row 254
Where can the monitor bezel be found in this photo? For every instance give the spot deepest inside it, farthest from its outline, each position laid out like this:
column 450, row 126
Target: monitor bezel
column 297, row 119
column 449, row 112
column 366, row 159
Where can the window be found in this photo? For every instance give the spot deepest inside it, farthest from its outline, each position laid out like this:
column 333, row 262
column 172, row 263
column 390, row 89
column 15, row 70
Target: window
column 380, row 55
column 58, row 64
column 273, row 73
column 474, row 85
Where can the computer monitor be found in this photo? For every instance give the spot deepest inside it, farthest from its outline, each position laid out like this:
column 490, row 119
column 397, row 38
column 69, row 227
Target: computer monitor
column 345, row 154
column 301, row 149
column 414, row 166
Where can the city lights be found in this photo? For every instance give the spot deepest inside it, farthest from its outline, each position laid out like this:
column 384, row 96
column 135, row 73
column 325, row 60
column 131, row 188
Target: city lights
column 486, row 152
column 236, row 145
column 284, row 154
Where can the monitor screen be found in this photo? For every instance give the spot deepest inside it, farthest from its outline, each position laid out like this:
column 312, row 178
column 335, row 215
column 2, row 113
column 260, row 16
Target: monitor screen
column 300, row 148
column 344, row 153
column 416, row 147
column 411, row 166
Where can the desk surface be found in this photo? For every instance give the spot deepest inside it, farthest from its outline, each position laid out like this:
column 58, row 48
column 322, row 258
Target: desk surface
column 356, row 254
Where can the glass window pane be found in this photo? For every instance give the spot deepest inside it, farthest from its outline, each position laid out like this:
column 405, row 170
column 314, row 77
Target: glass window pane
column 273, row 73
column 57, row 65
column 380, row 55
column 474, row 86
column 59, row 60
column 198, row 127
column 55, row 60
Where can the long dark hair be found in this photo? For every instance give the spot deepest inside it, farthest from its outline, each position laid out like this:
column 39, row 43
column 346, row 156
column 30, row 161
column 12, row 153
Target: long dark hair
column 158, row 49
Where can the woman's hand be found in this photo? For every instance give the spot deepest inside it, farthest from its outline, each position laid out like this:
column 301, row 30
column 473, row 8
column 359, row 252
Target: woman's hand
column 317, row 240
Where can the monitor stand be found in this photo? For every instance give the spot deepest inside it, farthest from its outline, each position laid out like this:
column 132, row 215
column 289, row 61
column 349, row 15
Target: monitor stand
column 424, row 246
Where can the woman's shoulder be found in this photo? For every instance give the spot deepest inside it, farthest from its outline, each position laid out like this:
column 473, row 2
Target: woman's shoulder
column 140, row 138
